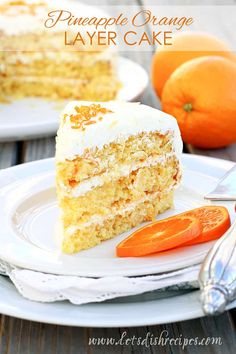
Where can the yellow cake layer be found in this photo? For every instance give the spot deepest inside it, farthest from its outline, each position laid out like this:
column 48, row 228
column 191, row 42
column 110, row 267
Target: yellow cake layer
column 114, row 195
column 98, row 89
column 96, row 162
column 92, row 235
column 51, row 68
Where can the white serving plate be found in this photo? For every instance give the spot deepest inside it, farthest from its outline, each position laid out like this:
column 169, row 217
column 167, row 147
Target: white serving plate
column 30, row 118
column 122, row 313
column 29, row 219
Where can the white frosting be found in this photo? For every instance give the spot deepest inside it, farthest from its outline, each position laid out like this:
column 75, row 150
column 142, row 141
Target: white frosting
column 19, row 21
column 48, row 79
column 87, row 59
column 125, row 120
column 97, row 181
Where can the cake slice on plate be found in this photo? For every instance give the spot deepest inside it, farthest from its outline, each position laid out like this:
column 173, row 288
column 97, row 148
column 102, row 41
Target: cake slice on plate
column 117, row 165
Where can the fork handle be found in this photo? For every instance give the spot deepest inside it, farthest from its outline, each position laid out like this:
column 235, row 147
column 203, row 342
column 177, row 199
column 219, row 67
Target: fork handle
column 217, row 276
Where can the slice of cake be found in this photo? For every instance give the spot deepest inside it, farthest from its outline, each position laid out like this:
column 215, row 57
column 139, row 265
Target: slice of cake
column 35, row 62
column 117, row 165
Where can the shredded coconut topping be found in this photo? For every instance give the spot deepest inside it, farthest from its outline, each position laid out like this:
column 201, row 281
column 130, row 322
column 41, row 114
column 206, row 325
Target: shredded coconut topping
column 86, row 115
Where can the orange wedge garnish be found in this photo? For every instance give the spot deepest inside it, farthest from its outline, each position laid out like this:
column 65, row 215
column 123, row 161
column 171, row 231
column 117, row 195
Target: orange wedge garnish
column 160, row 236
column 215, row 222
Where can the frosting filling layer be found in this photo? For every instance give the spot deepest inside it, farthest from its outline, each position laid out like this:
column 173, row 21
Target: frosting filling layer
column 97, row 181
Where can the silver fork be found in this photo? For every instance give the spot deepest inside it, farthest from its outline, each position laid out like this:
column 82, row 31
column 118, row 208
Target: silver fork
column 217, row 276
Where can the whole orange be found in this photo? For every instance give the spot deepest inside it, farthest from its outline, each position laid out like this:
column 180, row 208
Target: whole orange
column 201, row 95
column 185, row 46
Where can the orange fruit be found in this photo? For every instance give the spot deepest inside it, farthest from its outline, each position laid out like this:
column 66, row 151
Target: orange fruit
column 201, row 95
column 185, row 46
column 160, row 236
column 215, row 222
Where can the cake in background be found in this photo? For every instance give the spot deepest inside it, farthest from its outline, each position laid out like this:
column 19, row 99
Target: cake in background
column 117, row 165
column 34, row 61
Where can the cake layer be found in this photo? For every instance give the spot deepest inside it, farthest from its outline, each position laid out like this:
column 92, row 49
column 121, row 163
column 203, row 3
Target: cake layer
column 50, row 68
column 76, row 239
column 97, row 88
column 115, row 195
column 116, row 158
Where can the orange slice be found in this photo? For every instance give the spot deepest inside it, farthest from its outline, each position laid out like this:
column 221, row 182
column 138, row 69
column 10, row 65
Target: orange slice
column 215, row 222
column 160, row 236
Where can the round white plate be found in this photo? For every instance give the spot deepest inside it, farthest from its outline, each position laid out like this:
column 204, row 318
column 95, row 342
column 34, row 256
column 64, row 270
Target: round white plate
column 118, row 313
column 30, row 118
column 29, row 216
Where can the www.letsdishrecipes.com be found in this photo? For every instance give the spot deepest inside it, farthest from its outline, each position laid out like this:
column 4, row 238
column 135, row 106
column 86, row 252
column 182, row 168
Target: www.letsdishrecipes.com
column 150, row 340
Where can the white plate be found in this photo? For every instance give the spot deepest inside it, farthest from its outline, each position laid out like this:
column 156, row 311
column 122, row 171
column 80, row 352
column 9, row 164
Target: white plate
column 29, row 215
column 119, row 313
column 30, row 118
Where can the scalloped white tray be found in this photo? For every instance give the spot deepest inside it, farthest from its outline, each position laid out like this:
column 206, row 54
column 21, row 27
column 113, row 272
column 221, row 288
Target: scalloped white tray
column 118, row 313
column 30, row 118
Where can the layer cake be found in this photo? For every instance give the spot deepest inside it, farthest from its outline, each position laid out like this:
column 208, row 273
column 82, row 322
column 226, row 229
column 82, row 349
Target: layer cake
column 117, row 165
column 35, row 62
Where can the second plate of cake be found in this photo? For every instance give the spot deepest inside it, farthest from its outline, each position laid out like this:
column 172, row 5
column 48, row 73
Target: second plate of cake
column 34, row 117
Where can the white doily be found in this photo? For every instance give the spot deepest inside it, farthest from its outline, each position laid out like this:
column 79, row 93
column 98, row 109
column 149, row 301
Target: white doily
column 43, row 287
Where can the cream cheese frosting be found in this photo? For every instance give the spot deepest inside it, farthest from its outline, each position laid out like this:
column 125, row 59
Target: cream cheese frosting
column 110, row 175
column 117, row 123
column 24, row 16
column 65, row 57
